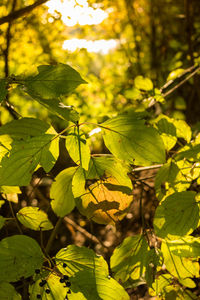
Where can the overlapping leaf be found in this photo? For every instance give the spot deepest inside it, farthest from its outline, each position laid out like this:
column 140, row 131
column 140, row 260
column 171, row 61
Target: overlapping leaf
column 31, row 142
column 100, row 168
column 34, row 218
column 105, row 201
column 61, row 193
column 129, row 139
column 177, row 215
column 182, row 268
column 51, row 290
column 78, row 149
column 20, row 255
column 133, row 260
column 88, row 274
column 50, row 84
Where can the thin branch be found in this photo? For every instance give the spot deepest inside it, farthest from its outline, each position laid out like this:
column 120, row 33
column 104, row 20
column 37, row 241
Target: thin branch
column 147, row 168
column 181, row 83
column 21, row 12
column 53, row 235
column 84, row 232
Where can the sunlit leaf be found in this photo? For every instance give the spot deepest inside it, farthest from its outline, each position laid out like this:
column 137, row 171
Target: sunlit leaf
column 187, row 246
column 34, row 218
column 180, row 267
column 177, row 215
column 143, row 83
column 8, row 292
column 61, row 193
column 50, row 84
column 105, row 201
column 51, row 290
column 20, row 255
column 129, row 139
column 17, row 168
column 165, row 287
column 3, row 90
column 88, row 275
column 78, row 149
column 183, row 130
column 167, row 131
column 53, row 81
column 133, row 259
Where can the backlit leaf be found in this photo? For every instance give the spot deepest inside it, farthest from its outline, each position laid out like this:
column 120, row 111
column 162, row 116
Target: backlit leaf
column 25, row 156
column 34, row 218
column 133, row 260
column 53, row 81
column 180, row 267
column 20, row 255
column 51, row 290
column 129, row 139
column 187, row 246
column 143, row 83
column 78, row 148
column 88, row 275
column 177, row 215
column 105, row 201
column 61, row 193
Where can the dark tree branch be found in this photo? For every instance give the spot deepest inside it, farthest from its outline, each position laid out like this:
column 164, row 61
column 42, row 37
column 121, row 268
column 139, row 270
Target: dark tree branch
column 21, row 12
column 8, row 106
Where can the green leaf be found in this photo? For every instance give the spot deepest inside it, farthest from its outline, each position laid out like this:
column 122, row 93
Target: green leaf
column 65, row 112
column 61, row 193
column 20, row 255
column 192, row 152
column 167, row 131
column 34, row 218
column 100, row 168
column 166, row 174
column 88, row 275
column 24, row 128
column 3, row 90
column 183, row 130
column 143, row 83
column 25, row 156
column 8, row 292
column 53, row 81
column 2, row 221
column 180, row 267
column 187, row 246
column 132, row 259
column 133, row 94
column 78, row 148
column 129, row 139
column 165, row 287
column 177, row 215
column 57, row 290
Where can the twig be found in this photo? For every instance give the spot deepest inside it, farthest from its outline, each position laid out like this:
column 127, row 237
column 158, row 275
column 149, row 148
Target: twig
column 21, row 12
column 13, row 214
column 84, row 232
column 53, row 235
column 147, row 168
column 181, row 83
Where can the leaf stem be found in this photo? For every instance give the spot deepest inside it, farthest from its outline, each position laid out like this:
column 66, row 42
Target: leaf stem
column 53, row 235
column 13, row 214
